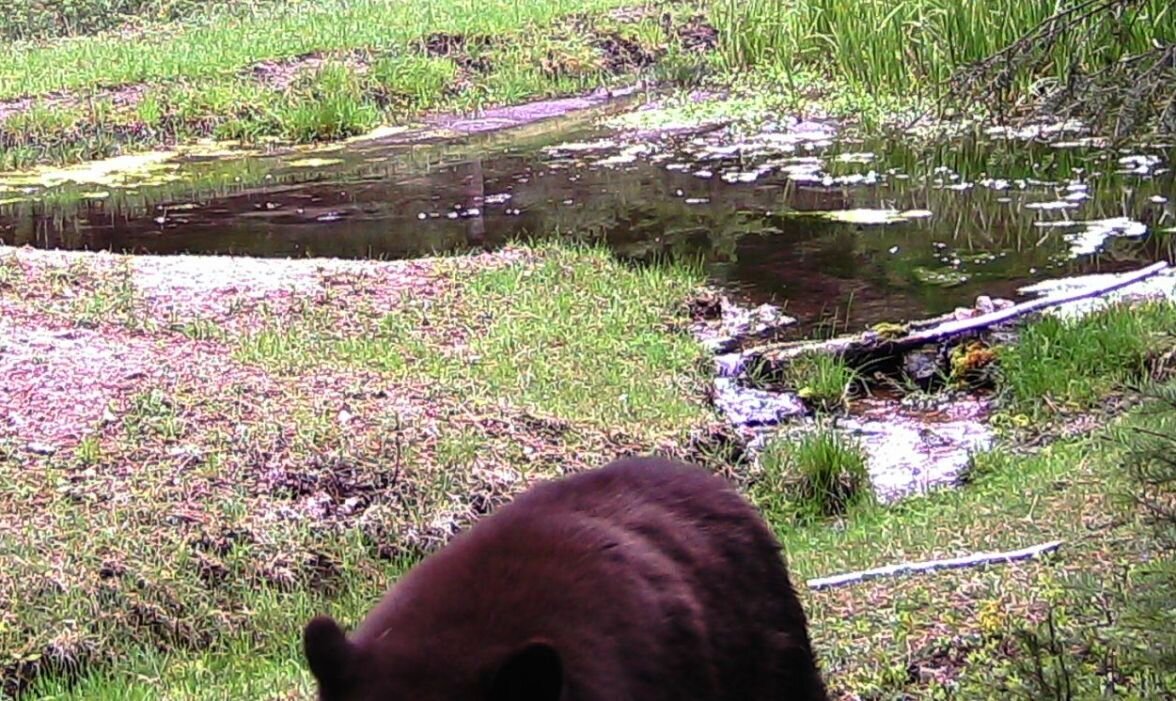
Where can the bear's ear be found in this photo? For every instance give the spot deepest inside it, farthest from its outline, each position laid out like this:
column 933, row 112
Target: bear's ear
column 328, row 652
column 532, row 673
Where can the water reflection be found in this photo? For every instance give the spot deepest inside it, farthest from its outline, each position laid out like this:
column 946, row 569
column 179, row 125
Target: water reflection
column 1001, row 213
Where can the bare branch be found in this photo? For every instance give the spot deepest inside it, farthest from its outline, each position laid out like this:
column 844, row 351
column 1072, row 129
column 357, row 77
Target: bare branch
column 975, row 560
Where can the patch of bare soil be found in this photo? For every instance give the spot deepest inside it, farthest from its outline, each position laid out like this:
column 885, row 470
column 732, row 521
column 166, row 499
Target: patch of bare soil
column 698, row 35
column 57, row 385
column 122, row 96
column 75, row 336
column 468, row 52
column 231, row 291
column 282, row 73
column 621, row 53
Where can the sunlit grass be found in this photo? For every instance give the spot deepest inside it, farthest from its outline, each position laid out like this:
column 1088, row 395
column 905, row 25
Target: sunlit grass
column 286, row 30
column 576, row 335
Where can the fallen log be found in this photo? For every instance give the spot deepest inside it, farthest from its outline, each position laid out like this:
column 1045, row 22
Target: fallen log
column 976, row 560
column 950, row 329
column 872, row 343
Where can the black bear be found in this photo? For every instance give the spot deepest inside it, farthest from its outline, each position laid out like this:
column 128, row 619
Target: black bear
column 644, row 580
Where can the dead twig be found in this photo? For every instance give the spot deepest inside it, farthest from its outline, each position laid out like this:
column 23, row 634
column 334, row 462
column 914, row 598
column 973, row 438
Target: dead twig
column 975, row 560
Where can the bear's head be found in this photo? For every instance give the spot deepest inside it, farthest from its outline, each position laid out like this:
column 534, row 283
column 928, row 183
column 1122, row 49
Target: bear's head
column 349, row 671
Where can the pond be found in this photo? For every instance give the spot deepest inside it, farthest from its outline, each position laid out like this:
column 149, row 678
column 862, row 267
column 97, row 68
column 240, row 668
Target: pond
column 841, row 233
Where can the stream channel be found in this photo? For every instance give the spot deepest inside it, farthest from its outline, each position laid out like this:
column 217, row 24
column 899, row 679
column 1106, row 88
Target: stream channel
column 840, row 234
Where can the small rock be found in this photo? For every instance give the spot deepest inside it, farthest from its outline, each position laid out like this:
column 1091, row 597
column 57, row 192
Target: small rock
column 730, row 364
column 40, row 448
column 921, row 365
column 186, row 452
column 745, row 406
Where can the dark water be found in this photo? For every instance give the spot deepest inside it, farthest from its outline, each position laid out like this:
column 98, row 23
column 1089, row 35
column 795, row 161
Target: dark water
column 761, row 237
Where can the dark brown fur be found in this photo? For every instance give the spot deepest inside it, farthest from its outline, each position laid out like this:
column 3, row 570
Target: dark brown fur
column 645, row 580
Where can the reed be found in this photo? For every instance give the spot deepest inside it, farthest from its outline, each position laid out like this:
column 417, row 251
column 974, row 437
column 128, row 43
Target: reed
column 911, row 45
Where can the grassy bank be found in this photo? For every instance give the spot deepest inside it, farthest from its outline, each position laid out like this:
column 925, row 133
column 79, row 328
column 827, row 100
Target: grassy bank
column 134, row 74
column 305, row 71
column 40, row 21
column 269, row 455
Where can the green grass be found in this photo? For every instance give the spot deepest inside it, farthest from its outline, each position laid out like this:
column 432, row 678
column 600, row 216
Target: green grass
column 418, row 82
column 867, row 635
column 177, row 553
column 821, row 380
column 577, row 335
column 176, row 530
column 870, row 633
column 817, row 474
column 868, row 60
column 336, row 69
column 333, row 106
column 1060, row 364
column 910, row 45
column 39, row 20
column 287, row 30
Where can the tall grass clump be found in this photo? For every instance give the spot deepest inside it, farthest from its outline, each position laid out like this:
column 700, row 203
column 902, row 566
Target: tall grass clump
column 333, row 105
column 818, row 474
column 1073, row 363
column 907, row 46
column 413, row 81
column 822, row 380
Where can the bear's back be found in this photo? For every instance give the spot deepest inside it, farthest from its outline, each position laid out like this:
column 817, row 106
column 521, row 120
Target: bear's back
column 748, row 636
column 655, row 580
